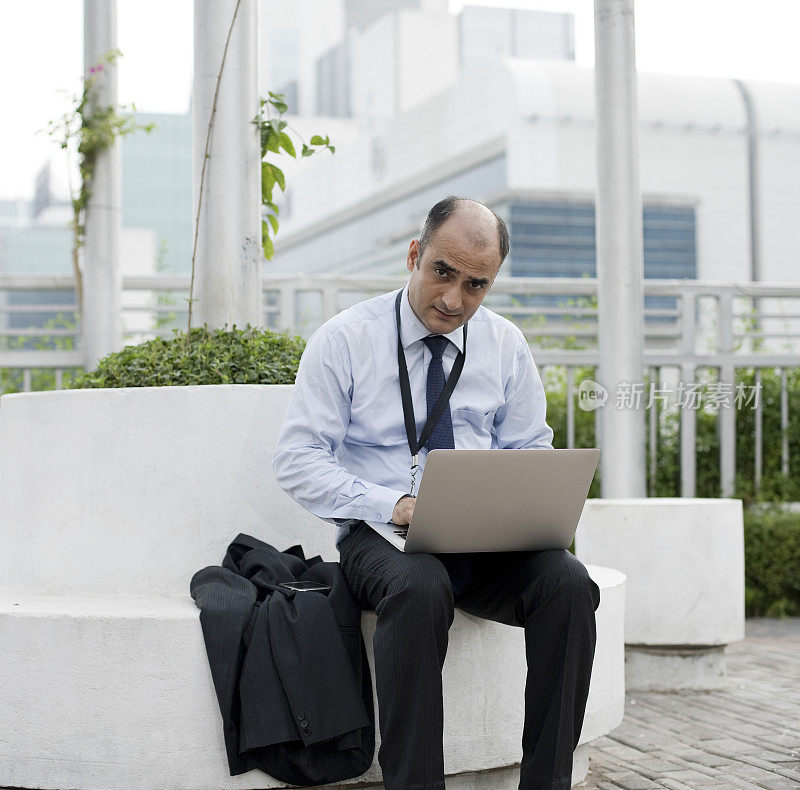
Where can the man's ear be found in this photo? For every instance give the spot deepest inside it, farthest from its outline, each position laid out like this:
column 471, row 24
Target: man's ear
column 413, row 254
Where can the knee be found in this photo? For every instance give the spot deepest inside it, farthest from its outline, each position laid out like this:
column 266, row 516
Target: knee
column 423, row 590
column 564, row 582
column 577, row 585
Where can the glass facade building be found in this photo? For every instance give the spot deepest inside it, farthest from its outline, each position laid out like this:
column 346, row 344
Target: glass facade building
column 556, row 238
column 157, row 187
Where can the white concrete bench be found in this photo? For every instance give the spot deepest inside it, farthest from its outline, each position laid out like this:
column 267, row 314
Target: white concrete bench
column 109, row 501
column 684, row 563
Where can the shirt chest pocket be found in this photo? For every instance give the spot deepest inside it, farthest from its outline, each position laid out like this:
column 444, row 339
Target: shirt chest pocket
column 472, row 428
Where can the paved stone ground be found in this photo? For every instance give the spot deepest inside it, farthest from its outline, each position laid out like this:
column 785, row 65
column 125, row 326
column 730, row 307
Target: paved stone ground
column 746, row 735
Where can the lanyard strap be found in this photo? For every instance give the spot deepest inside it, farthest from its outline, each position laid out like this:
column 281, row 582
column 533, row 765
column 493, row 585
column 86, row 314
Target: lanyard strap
column 405, row 390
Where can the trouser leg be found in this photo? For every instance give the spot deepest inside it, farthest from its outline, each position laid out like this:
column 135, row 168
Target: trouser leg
column 413, row 599
column 551, row 595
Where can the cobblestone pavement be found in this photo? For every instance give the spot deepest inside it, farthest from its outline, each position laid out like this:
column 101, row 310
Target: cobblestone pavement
column 745, row 735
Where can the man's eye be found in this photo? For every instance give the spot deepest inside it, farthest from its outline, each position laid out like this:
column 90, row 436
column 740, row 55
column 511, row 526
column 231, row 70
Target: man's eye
column 476, row 286
column 440, row 272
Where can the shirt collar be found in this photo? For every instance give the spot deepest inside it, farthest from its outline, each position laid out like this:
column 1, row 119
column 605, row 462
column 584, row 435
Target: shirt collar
column 412, row 329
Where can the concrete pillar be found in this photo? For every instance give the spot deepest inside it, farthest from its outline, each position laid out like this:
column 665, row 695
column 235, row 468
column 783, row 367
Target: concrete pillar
column 102, row 278
column 620, row 265
column 229, row 255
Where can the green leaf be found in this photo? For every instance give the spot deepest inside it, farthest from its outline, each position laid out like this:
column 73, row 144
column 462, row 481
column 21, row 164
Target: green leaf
column 278, row 101
column 317, row 140
column 332, row 149
column 277, row 175
column 272, row 143
column 266, row 244
column 286, row 144
column 308, row 151
column 273, row 220
column 267, row 182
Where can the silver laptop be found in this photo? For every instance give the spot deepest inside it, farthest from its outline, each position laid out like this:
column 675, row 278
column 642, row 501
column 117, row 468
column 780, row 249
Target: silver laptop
column 496, row 500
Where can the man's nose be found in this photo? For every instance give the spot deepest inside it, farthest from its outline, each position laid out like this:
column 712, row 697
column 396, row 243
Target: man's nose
column 452, row 299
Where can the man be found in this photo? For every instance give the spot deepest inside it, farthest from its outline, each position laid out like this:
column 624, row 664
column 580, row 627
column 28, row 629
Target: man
column 344, row 454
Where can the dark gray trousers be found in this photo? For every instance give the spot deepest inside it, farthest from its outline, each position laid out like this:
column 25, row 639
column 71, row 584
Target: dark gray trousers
column 548, row 593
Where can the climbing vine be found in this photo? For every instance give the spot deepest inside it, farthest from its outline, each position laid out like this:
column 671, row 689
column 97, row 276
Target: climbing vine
column 274, row 137
column 90, row 129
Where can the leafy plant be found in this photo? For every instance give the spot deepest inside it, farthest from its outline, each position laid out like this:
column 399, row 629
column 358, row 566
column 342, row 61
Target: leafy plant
column 274, row 138
column 91, row 129
column 771, row 560
column 201, row 356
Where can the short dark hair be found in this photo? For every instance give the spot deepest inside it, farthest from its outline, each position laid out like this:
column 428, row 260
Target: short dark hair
column 445, row 209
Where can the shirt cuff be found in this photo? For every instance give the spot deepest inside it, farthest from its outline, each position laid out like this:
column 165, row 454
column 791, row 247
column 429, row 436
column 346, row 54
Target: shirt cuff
column 379, row 503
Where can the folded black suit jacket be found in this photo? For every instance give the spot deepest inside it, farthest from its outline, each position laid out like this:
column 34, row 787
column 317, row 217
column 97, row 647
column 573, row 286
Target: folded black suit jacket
column 289, row 669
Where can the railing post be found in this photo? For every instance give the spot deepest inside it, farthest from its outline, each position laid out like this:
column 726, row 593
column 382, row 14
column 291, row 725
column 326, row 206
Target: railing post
column 688, row 440
column 727, row 412
column 286, row 301
column 688, row 417
column 570, row 407
column 758, row 438
column 784, row 423
column 330, row 302
column 653, row 434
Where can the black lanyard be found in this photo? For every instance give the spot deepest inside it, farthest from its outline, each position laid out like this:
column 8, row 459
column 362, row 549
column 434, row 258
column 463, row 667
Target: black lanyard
column 408, row 404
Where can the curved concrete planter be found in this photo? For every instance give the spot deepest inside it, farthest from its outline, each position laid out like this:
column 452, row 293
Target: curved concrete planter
column 109, row 501
column 684, row 562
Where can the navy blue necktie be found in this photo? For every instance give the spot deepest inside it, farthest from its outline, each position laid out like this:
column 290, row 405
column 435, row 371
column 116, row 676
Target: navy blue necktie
column 442, row 435
column 457, row 565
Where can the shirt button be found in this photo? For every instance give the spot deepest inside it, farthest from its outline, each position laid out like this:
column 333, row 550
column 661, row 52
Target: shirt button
column 301, row 717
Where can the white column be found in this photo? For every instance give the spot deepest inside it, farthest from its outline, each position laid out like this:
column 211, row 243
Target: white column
column 620, row 266
column 229, row 255
column 102, row 278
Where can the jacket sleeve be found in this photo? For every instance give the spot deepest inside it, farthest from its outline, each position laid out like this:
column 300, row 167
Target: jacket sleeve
column 226, row 602
column 305, row 461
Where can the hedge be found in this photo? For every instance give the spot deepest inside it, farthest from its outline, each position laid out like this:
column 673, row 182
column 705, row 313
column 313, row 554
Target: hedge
column 772, row 563
column 204, row 356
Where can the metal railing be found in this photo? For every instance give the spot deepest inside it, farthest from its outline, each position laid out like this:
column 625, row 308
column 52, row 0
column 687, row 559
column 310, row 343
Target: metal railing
column 690, row 327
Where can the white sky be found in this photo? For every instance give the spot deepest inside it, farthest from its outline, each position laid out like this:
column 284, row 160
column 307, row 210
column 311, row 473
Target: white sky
column 41, row 52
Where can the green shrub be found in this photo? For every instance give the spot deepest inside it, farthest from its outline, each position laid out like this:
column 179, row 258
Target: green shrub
column 772, row 560
column 219, row 356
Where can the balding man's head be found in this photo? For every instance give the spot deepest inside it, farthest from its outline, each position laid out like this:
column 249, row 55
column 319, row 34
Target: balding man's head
column 455, row 263
column 485, row 226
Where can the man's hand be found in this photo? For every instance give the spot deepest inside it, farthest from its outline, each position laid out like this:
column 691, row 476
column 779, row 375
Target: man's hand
column 403, row 510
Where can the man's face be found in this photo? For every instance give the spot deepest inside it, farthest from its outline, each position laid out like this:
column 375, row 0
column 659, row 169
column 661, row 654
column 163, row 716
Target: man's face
column 455, row 271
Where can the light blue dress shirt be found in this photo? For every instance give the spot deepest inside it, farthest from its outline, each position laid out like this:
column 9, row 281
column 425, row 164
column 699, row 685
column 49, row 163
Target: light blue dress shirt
column 342, row 451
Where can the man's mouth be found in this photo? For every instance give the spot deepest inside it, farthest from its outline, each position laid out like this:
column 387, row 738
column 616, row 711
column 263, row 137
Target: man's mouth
column 446, row 315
